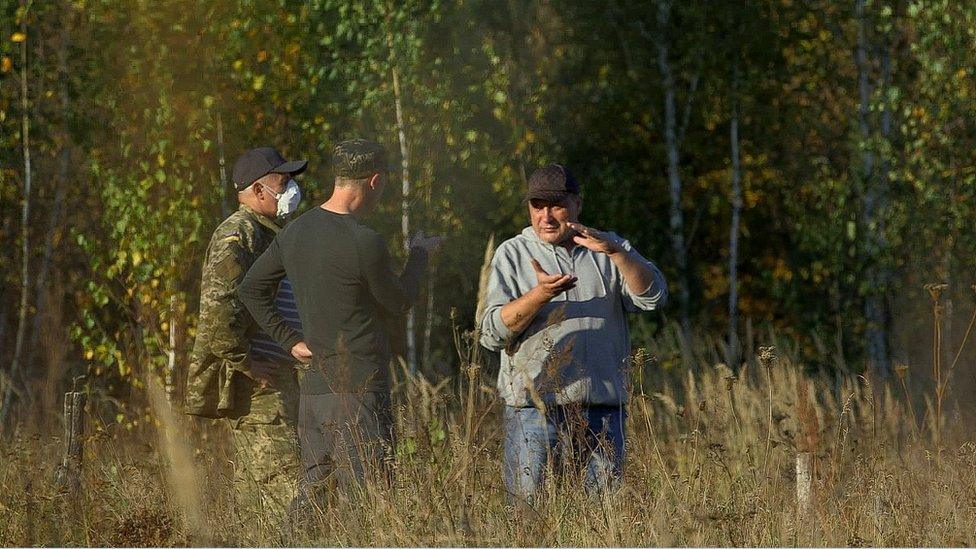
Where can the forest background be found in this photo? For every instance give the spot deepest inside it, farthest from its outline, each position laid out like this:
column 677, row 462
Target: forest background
column 798, row 167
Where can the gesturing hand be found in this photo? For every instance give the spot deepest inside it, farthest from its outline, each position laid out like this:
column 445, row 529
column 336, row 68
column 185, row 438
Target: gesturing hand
column 597, row 241
column 430, row 244
column 301, row 352
column 552, row 285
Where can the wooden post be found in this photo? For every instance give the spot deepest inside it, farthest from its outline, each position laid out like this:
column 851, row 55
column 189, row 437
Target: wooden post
column 804, row 482
column 69, row 472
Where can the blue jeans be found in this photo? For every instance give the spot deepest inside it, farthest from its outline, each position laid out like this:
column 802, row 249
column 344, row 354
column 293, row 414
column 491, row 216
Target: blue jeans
column 566, row 436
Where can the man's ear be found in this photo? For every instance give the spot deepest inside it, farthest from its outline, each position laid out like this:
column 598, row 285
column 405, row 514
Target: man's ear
column 374, row 181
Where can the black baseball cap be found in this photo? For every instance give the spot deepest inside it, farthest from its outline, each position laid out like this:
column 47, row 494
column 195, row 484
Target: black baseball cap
column 257, row 163
column 553, row 182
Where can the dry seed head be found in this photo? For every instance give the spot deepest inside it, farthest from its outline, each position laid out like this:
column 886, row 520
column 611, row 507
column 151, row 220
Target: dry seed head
column 900, row 369
column 483, row 276
column 767, row 355
column 669, row 404
column 640, row 357
column 935, row 289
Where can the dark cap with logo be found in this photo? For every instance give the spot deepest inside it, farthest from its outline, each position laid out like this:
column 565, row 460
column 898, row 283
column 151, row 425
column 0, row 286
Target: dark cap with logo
column 358, row 159
column 553, row 182
column 257, row 163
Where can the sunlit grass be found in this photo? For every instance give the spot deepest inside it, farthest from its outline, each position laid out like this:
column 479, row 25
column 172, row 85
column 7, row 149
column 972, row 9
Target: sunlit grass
column 710, row 462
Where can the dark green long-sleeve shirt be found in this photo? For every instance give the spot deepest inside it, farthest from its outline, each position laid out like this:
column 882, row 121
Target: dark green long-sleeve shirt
column 344, row 285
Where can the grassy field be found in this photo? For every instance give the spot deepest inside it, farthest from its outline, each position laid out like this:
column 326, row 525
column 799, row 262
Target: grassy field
column 711, row 461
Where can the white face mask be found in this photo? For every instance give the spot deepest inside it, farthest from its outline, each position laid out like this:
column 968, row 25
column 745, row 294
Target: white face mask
column 288, row 199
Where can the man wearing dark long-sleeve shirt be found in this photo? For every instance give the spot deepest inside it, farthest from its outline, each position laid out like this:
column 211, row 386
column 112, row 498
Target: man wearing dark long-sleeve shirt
column 344, row 284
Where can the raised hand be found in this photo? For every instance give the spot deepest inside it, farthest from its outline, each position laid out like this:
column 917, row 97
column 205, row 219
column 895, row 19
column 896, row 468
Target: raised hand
column 597, row 241
column 431, row 244
column 551, row 285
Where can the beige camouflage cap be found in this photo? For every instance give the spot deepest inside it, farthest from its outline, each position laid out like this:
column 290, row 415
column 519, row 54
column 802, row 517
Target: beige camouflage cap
column 359, row 158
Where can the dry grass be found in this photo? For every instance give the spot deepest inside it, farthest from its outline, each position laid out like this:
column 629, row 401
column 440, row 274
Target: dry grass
column 710, row 462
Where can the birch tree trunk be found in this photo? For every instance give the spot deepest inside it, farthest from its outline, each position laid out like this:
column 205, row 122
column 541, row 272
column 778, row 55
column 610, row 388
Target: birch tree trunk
column 428, row 321
column 405, row 199
column 24, row 220
column 171, row 374
column 671, row 137
column 227, row 196
column 61, row 185
column 734, row 353
column 884, row 271
column 873, row 226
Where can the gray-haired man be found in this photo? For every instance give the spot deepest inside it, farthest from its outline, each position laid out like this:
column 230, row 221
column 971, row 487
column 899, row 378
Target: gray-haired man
column 555, row 305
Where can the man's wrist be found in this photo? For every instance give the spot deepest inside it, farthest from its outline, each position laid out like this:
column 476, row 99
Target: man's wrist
column 538, row 296
column 616, row 250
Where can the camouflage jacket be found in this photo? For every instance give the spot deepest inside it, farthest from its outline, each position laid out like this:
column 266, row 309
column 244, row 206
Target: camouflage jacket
column 224, row 328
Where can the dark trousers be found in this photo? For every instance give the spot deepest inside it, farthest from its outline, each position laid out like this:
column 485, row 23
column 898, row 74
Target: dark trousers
column 344, row 438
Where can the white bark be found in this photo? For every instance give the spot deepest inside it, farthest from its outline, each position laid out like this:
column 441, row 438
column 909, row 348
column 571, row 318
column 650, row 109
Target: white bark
column 226, row 197
column 428, row 320
column 24, row 220
column 405, row 200
column 171, row 352
column 873, row 227
column 734, row 228
column 671, row 136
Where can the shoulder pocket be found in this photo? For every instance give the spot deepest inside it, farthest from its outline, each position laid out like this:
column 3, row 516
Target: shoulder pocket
column 227, row 267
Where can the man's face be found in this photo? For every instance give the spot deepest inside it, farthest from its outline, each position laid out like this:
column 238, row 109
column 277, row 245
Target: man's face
column 267, row 203
column 551, row 219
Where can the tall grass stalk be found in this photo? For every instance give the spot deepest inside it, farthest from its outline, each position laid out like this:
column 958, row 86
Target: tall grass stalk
column 696, row 473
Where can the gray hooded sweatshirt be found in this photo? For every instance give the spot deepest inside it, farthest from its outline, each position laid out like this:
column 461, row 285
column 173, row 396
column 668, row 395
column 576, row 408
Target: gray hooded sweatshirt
column 576, row 349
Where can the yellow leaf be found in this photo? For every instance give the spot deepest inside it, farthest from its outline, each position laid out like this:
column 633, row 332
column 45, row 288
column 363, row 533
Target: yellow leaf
column 18, row 37
column 781, row 271
column 89, row 354
column 136, row 258
column 6, row 64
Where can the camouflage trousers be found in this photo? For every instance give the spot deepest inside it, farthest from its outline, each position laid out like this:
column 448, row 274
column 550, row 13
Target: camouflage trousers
column 266, row 456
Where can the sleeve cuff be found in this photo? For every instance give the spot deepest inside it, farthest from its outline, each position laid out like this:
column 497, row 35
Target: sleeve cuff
column 498, row 327
column 292, row 340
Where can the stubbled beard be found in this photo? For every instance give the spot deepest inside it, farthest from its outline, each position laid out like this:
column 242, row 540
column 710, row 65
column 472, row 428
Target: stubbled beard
column 560, row 238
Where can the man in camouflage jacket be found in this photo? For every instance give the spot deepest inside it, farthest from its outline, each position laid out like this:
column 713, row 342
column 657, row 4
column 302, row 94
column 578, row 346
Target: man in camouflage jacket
column 255, row 392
